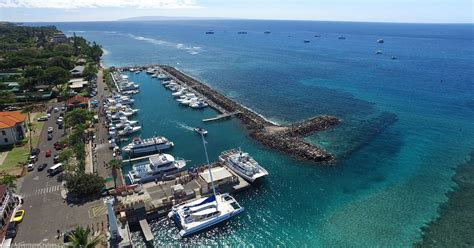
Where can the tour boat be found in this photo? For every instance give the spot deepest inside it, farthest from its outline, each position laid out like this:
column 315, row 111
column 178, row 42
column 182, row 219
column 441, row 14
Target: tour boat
column 157, row 166
column 243, row 164
column 196, row 215
column 153, row 144
column 200, row 130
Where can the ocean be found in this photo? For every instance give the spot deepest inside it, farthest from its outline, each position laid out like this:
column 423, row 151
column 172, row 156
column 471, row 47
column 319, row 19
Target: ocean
column 406, row 122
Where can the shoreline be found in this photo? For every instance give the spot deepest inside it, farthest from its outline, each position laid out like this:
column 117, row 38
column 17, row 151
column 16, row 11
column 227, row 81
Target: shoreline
column 287, row 139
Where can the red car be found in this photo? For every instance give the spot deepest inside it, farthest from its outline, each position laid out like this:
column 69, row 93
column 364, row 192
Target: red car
column 48, row 153
column 57, row 146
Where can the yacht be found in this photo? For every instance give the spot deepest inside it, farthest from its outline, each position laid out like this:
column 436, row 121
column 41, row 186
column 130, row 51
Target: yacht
column 153, row 144
column 165, row 82
column 129, row 130
column 196, row 215
column 150, row 71
column 199, row 104
column 243, row 164
column 378, row 52
column 162, row 76
column 157, row 166
column 380, row 41
column 123, row 124
column 188, row 101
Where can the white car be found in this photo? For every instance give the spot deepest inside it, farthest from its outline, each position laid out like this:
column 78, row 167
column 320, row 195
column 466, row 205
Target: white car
column 31, row 167
column 56, row 110
column 43, row 118
column 49, row 115
column 50, row 129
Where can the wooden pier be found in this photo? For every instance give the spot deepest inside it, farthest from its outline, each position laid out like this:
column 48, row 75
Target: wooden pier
column 222, row 116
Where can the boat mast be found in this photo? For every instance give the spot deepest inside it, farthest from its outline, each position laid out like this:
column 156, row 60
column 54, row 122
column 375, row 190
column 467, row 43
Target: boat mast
column 208, row 165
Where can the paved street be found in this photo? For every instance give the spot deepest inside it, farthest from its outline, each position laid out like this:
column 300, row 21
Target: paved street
column 46, row 210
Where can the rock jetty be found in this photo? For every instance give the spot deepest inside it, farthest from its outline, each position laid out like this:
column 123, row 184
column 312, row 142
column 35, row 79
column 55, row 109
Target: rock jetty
column 288, row 139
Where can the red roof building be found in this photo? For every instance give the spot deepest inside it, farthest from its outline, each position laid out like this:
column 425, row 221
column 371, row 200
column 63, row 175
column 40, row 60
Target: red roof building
column 12, row 127
column 77, row 102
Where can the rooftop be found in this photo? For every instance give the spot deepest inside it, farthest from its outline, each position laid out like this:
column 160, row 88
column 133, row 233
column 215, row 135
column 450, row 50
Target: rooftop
column 77, row 100
column 10, row 119
column 218, row 173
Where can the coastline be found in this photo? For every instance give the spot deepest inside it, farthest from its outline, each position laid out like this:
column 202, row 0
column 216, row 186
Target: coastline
column 454, row 226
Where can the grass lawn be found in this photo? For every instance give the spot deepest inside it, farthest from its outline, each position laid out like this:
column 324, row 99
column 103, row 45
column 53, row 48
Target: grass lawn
column 21, row 154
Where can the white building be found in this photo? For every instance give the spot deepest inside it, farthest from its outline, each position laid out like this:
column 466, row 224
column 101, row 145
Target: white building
column 12, row 127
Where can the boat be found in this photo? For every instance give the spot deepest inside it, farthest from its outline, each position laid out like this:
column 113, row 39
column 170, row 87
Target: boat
column 306, row 41
column 210, row 32
column 267, row 32
column 243, row 164
column 150, row 71
column 153, row 144
column 167, row 82
column 199, row 104
column 317, row 36
column 162, row 76
column 393, row 57
column 129, row 130
column 380, row 41
column 137, row 72
column 157, row 166
column 342, row 37
column 199, row 214
column 378, row 52
column 188, row 101
column 200, row 130
column 242, row 32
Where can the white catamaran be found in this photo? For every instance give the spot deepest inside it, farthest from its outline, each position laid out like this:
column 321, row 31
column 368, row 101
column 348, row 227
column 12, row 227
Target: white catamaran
column 196, row 215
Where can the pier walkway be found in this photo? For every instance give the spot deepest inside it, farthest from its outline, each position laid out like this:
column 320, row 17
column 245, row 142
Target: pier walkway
column 146, row 230
column 222, row 116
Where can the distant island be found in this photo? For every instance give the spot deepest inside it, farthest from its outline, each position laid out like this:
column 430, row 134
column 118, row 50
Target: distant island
column 170, row 18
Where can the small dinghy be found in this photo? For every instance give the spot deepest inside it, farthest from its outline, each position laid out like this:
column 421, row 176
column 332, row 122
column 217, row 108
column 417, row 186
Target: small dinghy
column 200, row 130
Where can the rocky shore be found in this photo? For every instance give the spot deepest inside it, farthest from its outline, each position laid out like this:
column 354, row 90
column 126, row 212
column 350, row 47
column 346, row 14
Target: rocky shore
column 288, row 139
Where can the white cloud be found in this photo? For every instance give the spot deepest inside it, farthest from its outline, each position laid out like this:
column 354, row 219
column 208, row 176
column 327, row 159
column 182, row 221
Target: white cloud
column 72, row 4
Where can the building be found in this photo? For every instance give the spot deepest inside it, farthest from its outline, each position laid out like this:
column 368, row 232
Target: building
column 77, row 71
column 81, row 61
column 8, row 204
column 12, row 127
column 78, row 84
column 221, row 176
column 58, row 38
column 77, row 102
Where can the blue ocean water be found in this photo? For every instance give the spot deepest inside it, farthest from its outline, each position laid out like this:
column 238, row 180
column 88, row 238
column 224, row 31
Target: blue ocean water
column 381, row 192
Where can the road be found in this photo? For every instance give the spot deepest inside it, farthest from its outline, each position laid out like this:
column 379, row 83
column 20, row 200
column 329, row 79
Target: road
column 46, row 210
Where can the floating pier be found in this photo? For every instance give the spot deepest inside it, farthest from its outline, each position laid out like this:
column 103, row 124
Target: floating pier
column 146, row 230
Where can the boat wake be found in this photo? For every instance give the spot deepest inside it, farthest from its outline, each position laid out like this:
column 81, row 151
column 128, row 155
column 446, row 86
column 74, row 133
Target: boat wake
column 184, row 126
column 193, row 50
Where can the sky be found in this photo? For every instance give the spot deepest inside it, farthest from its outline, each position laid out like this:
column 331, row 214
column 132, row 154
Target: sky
column 414, row 11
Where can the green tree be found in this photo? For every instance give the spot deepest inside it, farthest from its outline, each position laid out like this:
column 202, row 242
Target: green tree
column 80, row 238
column 65, row 158
column 78, row 116
column 90, row 71
column 115, row 165
column 56, row 75
column 8, row 180
column 6, row 98
column 80, row 184
column 61, row 61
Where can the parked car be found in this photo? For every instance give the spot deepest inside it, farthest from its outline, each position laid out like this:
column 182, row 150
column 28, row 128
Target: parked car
column 48, row 115
column 35, row 152
column 56, row 110
column 50, row 136
column 43, row 118
column 56, row 158
column 57, row 146
column 18, row 217
column 63, row 108
column 42, row 166
column 33, row 158
column 48, row 153
column 31, row 166
column 60, row 126
column 11, row 230
column 50, row 129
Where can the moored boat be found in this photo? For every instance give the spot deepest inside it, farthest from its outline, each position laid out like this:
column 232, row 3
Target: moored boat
column 157, row 166
column 243, row 164
column 153, row 144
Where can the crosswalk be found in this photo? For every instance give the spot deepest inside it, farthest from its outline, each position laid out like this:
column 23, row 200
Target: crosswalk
column 42, row 191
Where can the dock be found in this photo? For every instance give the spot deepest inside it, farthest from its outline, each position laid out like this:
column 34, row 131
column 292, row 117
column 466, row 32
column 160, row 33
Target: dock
column 146, row 230
column 222, row 116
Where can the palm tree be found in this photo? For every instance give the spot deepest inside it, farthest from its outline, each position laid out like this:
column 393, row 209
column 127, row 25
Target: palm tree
column 80, row 238
column 115, row 165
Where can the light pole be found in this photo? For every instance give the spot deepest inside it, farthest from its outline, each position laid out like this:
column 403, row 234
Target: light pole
column 208, row 165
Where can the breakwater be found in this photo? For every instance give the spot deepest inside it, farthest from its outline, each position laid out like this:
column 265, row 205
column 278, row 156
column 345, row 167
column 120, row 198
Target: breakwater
column 284, row 138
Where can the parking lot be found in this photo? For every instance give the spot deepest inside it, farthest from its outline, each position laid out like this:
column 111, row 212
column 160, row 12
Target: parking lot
column 46, row 209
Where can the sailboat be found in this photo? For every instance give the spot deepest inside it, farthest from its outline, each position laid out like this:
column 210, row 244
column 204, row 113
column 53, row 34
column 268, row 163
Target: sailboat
column 196, row 215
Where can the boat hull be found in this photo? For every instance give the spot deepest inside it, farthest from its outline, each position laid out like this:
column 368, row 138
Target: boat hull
column 148, row 149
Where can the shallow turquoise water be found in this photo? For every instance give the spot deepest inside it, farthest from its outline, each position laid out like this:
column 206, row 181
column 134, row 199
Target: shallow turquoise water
column 380, row 194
